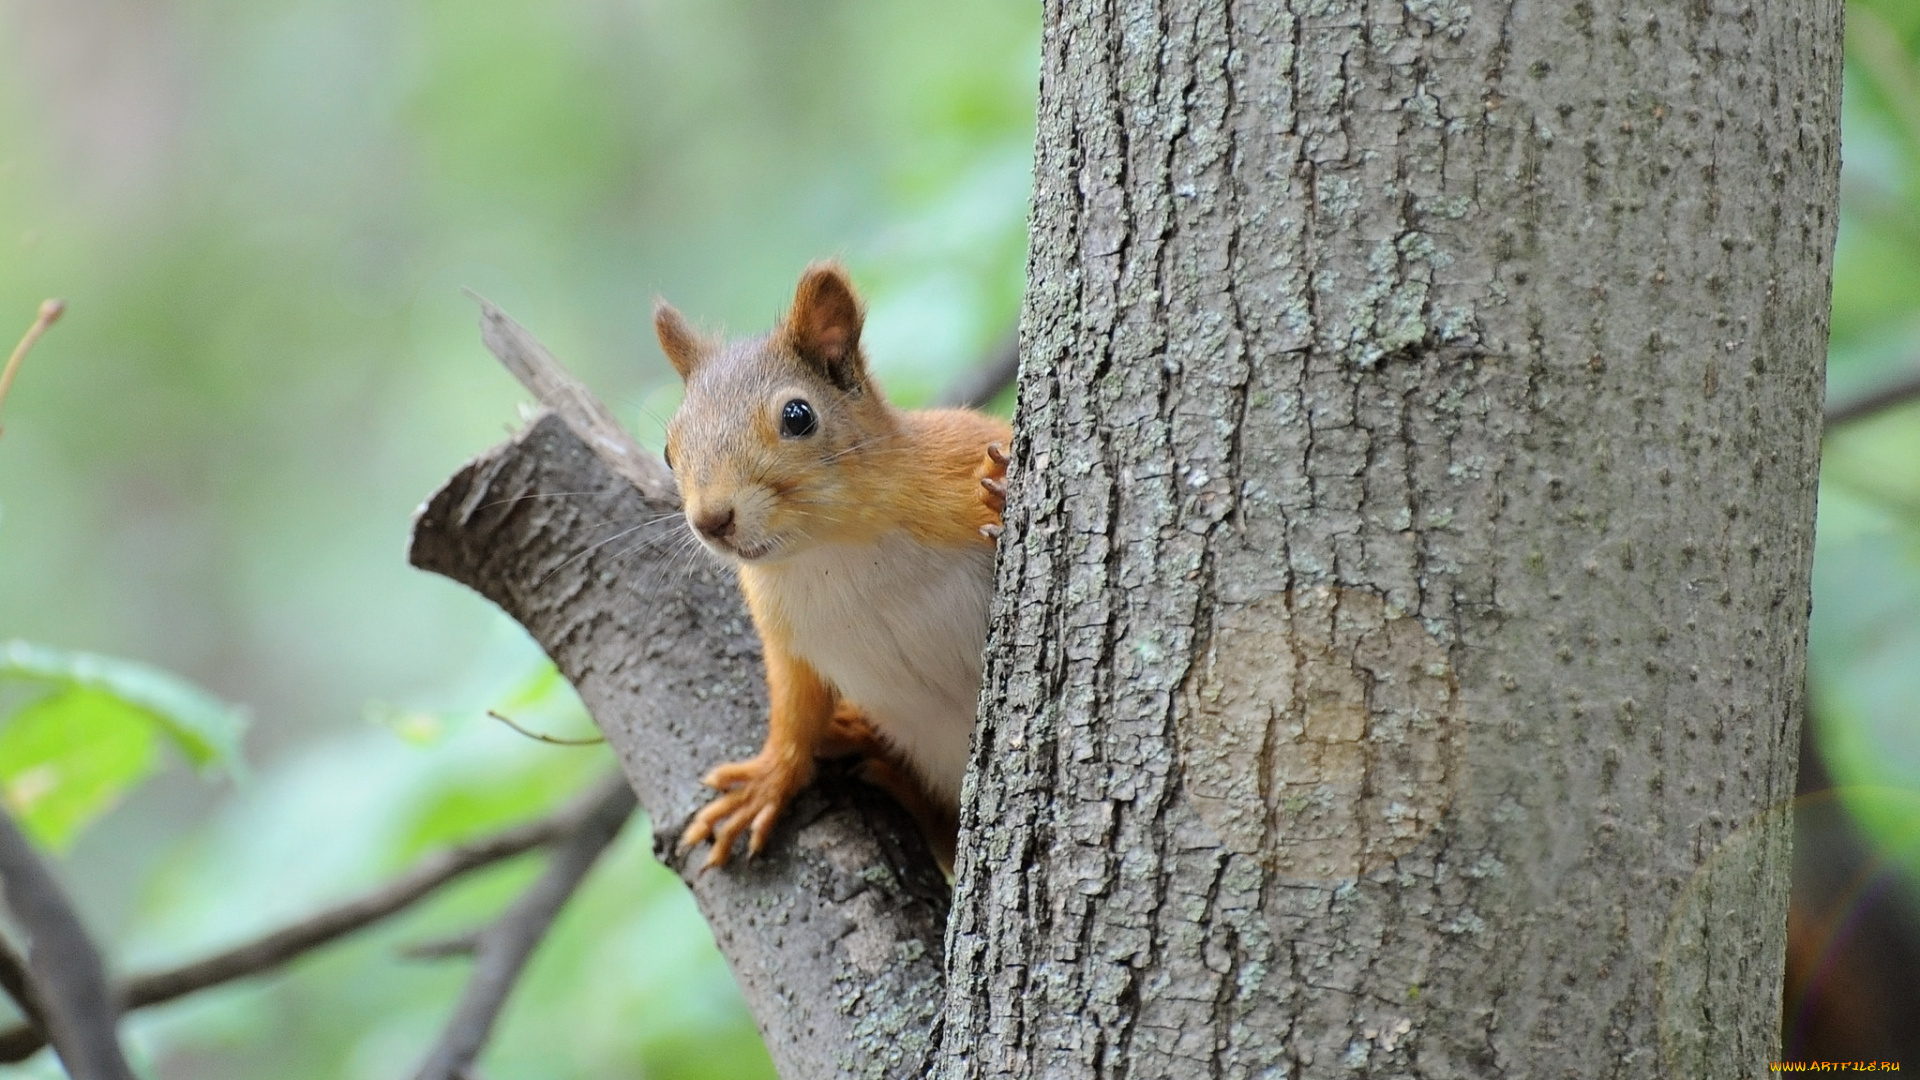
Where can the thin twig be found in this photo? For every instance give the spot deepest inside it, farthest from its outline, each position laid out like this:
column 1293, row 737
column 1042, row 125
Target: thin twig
column 505, row 946
column 273, row 949
column 554, row 740
column 49, row 314
column 1872, row 403
column 63, row 967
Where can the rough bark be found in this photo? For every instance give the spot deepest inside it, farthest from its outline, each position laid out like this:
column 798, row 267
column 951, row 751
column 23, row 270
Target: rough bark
column 834, row 934
column 1398, row 657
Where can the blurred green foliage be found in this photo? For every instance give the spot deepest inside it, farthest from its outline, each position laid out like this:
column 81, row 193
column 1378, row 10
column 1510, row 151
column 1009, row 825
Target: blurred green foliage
column 79, row 731
column 206, row 730
column 68, row 757
column 262, row 213
column 1866, row 617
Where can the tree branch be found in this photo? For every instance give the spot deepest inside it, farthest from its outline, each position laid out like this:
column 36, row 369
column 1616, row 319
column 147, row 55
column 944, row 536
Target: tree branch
column 980, row 385
column 64, row 974
column 13, row 979
column 278, row 947
column 505, row 946
column 835, row 933
column 1874, row 402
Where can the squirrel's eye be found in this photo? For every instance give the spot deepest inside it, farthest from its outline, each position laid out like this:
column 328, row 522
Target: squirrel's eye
column 666, row 455
column 797, row 420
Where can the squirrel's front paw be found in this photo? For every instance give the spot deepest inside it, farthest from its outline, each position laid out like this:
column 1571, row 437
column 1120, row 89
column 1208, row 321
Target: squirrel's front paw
column 752, row 794
column 993, row 484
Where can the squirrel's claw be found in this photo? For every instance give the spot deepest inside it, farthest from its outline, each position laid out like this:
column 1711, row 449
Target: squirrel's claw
column 993, row 481
column 761, row 827
column 752, row 795
column 723, row 838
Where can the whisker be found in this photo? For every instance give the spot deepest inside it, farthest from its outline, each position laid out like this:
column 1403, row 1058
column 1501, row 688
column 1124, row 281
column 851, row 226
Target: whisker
column 588, row 550
column 650, row 523
column 665, row 566
column 691, row 550
column 534, row 495
column 651, row 415
column 662, row 566
column 668, row 542
column 861, row 445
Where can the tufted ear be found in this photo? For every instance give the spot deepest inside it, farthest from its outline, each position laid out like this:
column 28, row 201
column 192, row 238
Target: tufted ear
column 683, row 345
column 824, row 325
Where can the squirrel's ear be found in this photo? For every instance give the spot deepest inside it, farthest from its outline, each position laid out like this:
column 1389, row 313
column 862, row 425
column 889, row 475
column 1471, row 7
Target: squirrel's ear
column 824, row 325
column 679, row 341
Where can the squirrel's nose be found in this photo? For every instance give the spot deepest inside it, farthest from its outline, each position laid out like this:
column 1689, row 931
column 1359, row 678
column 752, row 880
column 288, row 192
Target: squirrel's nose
column 715, row 524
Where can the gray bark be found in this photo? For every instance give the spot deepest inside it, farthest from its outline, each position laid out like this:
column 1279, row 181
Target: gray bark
column 1398, row 657
column 834, row 934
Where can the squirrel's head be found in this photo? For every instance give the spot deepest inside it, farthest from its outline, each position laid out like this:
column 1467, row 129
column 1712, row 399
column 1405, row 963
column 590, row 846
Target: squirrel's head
column 778, row 436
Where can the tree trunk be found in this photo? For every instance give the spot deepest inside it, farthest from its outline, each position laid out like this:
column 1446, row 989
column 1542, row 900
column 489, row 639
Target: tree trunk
column 1399, row 653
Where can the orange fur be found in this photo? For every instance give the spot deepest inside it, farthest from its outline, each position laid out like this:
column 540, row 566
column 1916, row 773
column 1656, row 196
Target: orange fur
column 874, row 493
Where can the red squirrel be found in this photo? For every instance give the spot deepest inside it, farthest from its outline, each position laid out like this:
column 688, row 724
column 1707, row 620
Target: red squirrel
column 864, row 539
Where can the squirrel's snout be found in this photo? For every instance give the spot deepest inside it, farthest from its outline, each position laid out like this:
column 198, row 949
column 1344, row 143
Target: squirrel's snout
column 715, row 525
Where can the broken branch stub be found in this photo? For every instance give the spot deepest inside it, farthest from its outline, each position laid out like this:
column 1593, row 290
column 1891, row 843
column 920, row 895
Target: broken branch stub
column 835, row 933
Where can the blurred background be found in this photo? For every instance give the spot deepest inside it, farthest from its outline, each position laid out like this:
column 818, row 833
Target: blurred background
column 1853, row 979
column 261, row 215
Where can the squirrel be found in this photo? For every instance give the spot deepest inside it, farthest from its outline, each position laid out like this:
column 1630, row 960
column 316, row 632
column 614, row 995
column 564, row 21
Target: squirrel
column 864, row 539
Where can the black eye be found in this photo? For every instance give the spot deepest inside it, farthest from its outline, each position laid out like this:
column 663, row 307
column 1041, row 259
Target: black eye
column 666, row 455
column 797, row 420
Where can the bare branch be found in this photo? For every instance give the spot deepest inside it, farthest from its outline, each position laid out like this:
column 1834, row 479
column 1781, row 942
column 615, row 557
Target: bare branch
column 1874, row 402
column 505, row 946
column 13, row 979
column 835, row 934
column 527, row 360
column 63, row 967
column 273, row 949
column 465, row 943
column 980, row 385
column 435, row 871
column 21, row 1042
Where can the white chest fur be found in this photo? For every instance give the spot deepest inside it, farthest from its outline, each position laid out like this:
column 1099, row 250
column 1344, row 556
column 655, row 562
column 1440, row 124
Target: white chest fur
column 896, row 627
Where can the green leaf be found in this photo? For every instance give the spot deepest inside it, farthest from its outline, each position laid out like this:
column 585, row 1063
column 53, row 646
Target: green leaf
column 66, row 758
column 204, row 728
